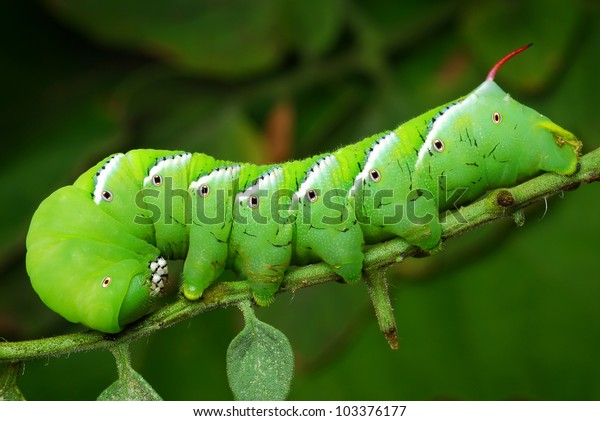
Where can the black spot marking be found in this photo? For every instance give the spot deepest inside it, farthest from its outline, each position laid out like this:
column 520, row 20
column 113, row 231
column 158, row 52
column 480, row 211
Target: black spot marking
column 380, row 205
column 204, row 190
column 441, row 185
column 311, row 195
column 493, row 149
column 472, row 164
column 217, row 238
column 248, row 234
column 469, row 137
column 438, row 145
column 281, row 245
column 409, row 176
column 246, row 184
column 253, row 201
column 375, row 175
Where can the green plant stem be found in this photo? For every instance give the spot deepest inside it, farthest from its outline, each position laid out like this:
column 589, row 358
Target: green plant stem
column 498, row 204
column 247, row 311
column 122, row 357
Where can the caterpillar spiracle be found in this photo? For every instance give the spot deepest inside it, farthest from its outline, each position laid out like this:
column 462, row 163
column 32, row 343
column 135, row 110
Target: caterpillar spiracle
column 97, row 250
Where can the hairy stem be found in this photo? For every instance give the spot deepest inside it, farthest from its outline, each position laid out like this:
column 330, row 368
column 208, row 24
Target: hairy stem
column 378, row 291
column 498, row 204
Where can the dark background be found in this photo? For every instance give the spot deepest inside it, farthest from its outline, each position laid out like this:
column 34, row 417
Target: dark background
column 502, row 313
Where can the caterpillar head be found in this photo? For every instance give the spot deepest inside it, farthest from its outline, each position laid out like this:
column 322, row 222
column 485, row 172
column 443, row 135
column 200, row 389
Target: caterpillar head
column 85, row 266
column 487, row 139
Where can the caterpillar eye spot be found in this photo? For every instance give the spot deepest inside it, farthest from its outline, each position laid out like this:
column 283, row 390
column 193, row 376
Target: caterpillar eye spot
column 496, row 117
column 204, row 190
column 253, row 201
column 375, row 175
column 157, row 180
column 312, row 196
column 107, row 196
column 438, row 145
column 106, row 282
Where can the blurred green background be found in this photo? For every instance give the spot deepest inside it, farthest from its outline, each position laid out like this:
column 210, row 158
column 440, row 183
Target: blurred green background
column 502, row 313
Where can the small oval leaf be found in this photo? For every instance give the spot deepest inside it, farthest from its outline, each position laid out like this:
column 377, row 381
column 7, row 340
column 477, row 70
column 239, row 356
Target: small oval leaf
column 260, row 361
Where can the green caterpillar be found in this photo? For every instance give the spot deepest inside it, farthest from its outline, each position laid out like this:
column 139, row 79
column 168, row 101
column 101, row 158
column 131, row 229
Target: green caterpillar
column 97, row 249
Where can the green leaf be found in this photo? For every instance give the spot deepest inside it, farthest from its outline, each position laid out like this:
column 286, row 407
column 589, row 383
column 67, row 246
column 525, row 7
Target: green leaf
column 260, row 361
column 216, row 38
column 313, row 25
column 130, row 386
column 9, row 391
